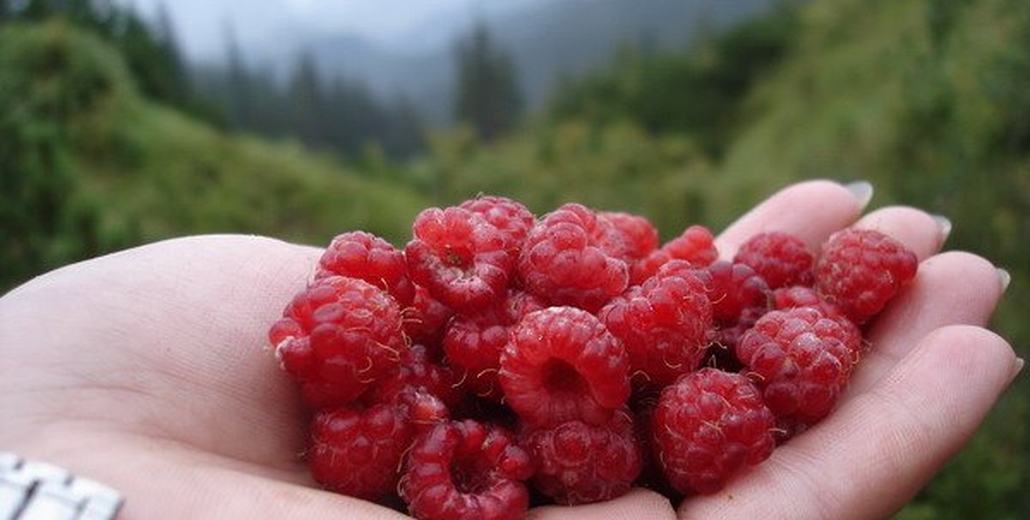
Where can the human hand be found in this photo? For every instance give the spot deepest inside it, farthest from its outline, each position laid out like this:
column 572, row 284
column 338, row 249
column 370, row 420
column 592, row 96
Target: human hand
column 149, row 370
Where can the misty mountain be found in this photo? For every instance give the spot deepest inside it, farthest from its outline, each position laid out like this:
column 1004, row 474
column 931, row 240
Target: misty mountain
column 547, row 41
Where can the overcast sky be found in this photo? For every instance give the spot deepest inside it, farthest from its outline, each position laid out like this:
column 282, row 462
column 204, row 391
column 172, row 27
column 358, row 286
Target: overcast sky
column 200, row 23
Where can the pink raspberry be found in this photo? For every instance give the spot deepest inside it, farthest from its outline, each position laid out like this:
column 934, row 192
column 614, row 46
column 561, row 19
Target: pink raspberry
column 562, row 364
column 664, row 325
column 426, row 319
column 358, row 452
column 707, row 427
column 630, row 237
column 695, row 245
column 460, row 257
column 579, row 463
column 474, row 341
column 357, row 254
column 511, row 218
column 419, row 372
column 337, row 337
column 800, row 296
column 564, row 260
column 860, row 270
column 466, row 470
column 780, row 258
column 802, row 359
column 739, row 297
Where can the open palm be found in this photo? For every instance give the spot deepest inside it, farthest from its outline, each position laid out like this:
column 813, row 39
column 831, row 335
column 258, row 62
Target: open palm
column 149, row 370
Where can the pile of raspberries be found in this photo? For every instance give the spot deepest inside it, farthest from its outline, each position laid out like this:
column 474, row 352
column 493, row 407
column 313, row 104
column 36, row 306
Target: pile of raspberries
column 500, row 361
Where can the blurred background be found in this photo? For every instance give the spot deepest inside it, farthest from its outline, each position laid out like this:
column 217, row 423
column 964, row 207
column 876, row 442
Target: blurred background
column 125, row 122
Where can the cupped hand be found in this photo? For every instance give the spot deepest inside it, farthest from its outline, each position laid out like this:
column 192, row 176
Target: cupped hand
column 149, row 370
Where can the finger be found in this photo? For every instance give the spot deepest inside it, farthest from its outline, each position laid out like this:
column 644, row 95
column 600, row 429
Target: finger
column 809, row 210
column 884, row 443
column 637, row 504
column 921, row 232
column 932, row 300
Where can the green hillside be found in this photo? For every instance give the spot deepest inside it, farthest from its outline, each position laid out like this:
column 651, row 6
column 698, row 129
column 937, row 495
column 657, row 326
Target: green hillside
column 88, row 165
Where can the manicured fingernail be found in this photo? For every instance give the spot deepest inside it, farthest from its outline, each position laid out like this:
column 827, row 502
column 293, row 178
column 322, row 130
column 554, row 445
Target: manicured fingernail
column 863, row 192
column 1005, row 278
column 943, row 226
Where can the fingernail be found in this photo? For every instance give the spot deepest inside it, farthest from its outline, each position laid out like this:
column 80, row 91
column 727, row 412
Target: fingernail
column 862, row 190
column 1017, row 368
column 1005, row 279
column 943, row 226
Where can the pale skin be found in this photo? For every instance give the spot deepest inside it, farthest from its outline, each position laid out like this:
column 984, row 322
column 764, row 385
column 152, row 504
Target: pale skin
column 149, row 370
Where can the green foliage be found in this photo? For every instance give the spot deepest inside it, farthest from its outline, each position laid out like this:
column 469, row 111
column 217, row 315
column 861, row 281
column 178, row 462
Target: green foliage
column 87, row 165
column 696, row 91
column 487, row 87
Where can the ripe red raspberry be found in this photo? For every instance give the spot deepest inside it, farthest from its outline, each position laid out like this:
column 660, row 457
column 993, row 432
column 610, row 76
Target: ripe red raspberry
column 474, row 341
column 358, row 452
column 707, row 427
column 664, row 325
column 510, row 217
column 734, row 287
column 860, row 270
column 579, row 463
column 565, row 262
column 426, row 319
column 418, row 372
column 337, row 337
column 780, row 258
column 466, row 470
column 801, row 296
column 631, row 237
column 459, row 256
column 357, row 254
column 802, row 359
column 695, row 245
column 562, row 364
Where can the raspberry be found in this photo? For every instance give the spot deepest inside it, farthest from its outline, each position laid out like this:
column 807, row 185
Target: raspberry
column 466, row 470
column 357, row 452
column 781, row 259
column 803, row 360
column 695, row 245
column 664, row 326
column 579, row 463
column 337, row 337
column 474, row 341
column 860, row 270
column 459, row 256
column 707, row 427
column 630, row 237
column 734, row 287
column 357, row 254
column 562, row 364
column 564, row 260
column 426, row 319
column 419, row 373
column 511, row 218
column 801, row 296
